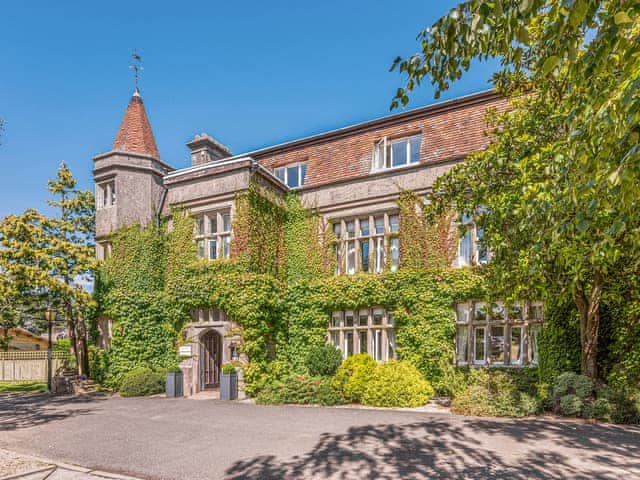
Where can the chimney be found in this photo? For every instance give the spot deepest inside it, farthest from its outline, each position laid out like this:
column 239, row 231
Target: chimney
column 205, row 149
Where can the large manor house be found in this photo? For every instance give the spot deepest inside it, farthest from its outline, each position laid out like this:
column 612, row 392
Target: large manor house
column 353, row 176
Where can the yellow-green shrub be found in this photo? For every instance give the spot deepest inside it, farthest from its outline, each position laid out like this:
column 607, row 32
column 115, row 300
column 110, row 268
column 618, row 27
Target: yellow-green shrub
column 397, row 384
column 353, row 376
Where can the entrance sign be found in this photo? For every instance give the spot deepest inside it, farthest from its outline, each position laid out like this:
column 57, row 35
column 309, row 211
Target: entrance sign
column 185, row 350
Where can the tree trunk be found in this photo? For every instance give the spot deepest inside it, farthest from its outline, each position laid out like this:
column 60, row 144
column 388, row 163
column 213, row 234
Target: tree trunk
column 588, row 304
column 71, row 327
column 82, row 349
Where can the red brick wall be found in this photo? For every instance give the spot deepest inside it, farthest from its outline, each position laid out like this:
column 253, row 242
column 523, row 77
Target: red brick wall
column 449, row 131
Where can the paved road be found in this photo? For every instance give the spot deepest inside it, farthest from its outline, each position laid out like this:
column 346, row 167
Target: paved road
column 160, row 438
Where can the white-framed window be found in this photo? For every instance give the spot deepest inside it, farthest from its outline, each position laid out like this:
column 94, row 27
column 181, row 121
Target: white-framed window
column 471, row 250
column 398, row 152
column 105, row 194
column 497, row 333
column 292, row 175
column 367, row 243
column 213, row 234
column 366, row 330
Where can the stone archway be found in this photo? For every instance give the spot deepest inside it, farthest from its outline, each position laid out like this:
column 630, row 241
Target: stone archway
column 210, row 359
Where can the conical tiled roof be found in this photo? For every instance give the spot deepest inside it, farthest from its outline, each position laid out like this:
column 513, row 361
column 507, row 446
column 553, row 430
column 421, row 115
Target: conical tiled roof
column 135, row 134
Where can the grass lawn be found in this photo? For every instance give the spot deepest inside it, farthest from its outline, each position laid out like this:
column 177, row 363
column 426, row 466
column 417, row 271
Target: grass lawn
column 16, row 387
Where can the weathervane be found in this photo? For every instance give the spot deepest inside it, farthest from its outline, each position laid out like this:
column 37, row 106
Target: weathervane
column 135, row 66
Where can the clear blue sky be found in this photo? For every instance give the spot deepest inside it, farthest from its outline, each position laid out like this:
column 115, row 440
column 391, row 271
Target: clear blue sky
column 250, row 74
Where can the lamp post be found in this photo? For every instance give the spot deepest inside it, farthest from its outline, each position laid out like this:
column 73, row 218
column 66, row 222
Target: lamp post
column 50, row 316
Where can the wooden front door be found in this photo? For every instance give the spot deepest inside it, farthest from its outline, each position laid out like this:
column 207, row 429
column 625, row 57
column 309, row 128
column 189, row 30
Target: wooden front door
column 210, row 359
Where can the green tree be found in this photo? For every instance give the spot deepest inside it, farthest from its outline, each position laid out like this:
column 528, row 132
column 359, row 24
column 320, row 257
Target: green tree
column 46, row 256
column 556, row 193
column 9, row 314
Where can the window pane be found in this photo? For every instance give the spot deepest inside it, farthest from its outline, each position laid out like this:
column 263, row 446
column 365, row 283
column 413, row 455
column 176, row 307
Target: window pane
column 496, row 344
column 391, row 340
column 483, row 252
column 201, row 226
column 480, row 312
column 399, row 153
column 497, row 311
column 226, row 222
column 364, row 255
column 335, row 319
column 363, row 342
column 200, row 248
column 351, row 229
column 516, row 346
column 364, row 227
column 462, row 344
column 348, row 344
column 377, row 345
column 348, row 318
column 463, row 312
column 213, row 223
column 464, row 250
column 535, row 311
column 293, row 176
column 279, row 172
column 363, row 318
column 379, row 224
column 303, row 172
column 414, row 147
column 337, row 230
column 389, row 318
column 338, row 259
column 213, row 249
column 378, row 156
column 225, row 246
column 534, row 330
column 394, row 223
column 113, row 193
column 478, row 351
column 378, row 314
column 351, row 257
column 335, row 339
column 515, row 311
column 395, row 253
column 379, row 255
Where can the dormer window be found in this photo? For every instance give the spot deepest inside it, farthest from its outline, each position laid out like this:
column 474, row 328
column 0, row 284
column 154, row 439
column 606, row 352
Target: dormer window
column 396, row 153
column 292, row 175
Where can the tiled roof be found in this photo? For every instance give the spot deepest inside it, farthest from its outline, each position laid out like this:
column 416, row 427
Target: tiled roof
column 135, row 134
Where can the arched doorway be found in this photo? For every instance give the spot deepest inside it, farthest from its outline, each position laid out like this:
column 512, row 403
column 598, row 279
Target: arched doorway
column 210, row 359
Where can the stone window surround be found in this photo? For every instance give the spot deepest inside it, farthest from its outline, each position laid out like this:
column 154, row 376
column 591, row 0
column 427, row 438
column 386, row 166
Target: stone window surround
column 531, row 320
column 381, row 346
column 103, row 250
column 204, row 235
column 349, row 242
column 106, row 194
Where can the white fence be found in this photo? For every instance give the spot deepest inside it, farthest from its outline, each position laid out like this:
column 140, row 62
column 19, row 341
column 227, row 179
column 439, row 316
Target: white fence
column 25, row 366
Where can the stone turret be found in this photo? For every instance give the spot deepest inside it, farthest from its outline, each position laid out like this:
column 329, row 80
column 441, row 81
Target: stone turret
column 128, row 179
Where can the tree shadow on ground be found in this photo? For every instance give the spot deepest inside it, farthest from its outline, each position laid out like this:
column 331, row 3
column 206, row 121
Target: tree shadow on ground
column 463, row 448
column 19, row 411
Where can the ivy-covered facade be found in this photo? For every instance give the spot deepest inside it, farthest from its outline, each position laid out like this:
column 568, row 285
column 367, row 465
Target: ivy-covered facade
column 255, row 259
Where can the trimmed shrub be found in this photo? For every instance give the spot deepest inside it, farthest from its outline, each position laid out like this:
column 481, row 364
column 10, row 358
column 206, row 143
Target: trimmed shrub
column 603, row 410
column 495, row 394
column 353, row 376
column 140, row 382
column 397, row 384
column 571, row 405
column 300, row 389
column 572, row 383
column 323, row 360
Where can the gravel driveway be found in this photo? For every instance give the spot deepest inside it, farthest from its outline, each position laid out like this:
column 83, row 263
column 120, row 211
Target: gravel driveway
column 160, row 438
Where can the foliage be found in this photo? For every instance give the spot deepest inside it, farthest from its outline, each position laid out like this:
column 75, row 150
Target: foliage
column 495, row 394
column 42, row 257
column 258, row 232
column 307, row 259
column 397, row 384
column 354, row 375
column 571, row 405
column 22, row 387
column 62, row 345
column 228, row 369
column 301, row 389
column 424, row 243
column 98, row 364
column 560, row 179
column 323, row 361
column 570, row 383
column 141, row 382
